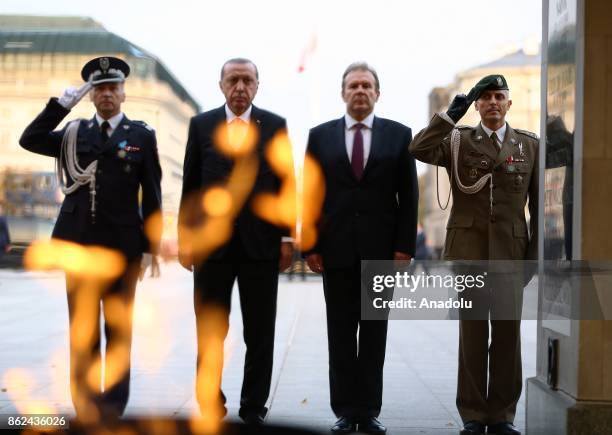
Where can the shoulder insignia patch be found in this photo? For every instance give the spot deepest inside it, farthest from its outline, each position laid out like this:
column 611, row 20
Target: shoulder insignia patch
column 527, row 133
column 144, row 125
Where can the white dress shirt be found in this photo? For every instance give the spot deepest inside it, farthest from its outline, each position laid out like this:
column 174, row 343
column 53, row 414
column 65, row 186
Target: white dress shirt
column 349, row 134
column 246, row 115
column 501, row 132
column 113, row 122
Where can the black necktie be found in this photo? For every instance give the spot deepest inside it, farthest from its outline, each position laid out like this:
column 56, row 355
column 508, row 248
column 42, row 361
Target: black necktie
column 104, row 131
column 496, row 141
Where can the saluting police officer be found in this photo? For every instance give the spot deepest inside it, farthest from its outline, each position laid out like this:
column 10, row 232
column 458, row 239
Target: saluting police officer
column 493, row 171
column 103, row 164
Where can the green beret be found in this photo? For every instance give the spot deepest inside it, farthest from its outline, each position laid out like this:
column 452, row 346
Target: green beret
column 494, row 82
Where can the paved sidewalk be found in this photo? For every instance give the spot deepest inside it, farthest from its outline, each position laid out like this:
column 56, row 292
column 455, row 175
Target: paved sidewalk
column 420, row 369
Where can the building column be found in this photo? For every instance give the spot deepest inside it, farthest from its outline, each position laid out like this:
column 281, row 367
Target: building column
column 572, row 392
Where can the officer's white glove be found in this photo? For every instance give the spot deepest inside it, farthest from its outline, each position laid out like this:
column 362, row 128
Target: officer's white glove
column 72, row 95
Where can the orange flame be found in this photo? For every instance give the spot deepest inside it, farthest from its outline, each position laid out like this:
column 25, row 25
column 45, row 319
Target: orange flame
column 279, row 209
column 217, row 202
column 19, row 384
column 94, row 262
column 312, row 201
column 153, row 228
column 236, row 139
column 212, row 329
column 89, row 270
column 219, row 205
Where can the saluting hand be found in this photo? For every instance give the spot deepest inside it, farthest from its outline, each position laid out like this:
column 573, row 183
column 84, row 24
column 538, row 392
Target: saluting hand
column 458, row 107
column 72, row 95
column 461, row 103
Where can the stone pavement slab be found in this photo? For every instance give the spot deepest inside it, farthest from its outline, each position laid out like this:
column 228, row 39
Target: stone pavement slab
column 420, row 368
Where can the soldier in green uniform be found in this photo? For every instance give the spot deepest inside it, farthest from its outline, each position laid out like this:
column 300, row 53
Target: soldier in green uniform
column 493, row 170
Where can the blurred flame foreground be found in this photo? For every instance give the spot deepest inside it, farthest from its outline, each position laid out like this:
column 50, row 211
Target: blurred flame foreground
column 91, row 268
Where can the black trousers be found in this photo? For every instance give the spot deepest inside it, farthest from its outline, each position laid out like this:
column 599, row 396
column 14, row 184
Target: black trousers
column 356, row 347
column 257, row 285
column 115, row 301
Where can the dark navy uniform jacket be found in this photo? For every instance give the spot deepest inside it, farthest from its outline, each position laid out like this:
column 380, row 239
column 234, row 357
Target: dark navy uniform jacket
column 126, row 162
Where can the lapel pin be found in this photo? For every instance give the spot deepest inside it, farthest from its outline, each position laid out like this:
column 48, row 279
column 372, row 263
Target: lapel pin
column 90, row 124
column 521, row 153
column 513, row 141
column 126, row 127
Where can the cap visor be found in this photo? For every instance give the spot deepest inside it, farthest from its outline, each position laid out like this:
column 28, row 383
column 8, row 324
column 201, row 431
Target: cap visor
column 107, row 80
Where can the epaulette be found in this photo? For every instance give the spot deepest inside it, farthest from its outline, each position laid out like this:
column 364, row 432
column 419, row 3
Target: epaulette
column 527, row 133
column 144, row 125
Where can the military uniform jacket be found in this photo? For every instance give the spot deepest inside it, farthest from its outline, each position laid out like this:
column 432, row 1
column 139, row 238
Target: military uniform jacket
column 126, row 162
column 478, row 228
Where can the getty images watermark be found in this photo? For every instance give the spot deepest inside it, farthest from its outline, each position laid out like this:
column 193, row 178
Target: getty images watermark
column 410, row 282
column 483, row 290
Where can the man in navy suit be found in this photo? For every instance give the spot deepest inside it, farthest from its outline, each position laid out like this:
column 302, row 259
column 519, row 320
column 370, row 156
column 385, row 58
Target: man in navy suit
column 369, row 213
column 105, row 162
column 256, row 249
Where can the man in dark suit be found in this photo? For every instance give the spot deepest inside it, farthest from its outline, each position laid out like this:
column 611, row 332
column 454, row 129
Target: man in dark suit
column 254, row 251
column 369, row 213
column 105, row 162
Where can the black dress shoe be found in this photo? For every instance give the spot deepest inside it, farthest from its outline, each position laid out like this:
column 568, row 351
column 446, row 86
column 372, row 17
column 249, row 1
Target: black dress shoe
column 253, row 419
column 344, row 425
column 372, row 425
column 473, row 428
column 503, row 428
